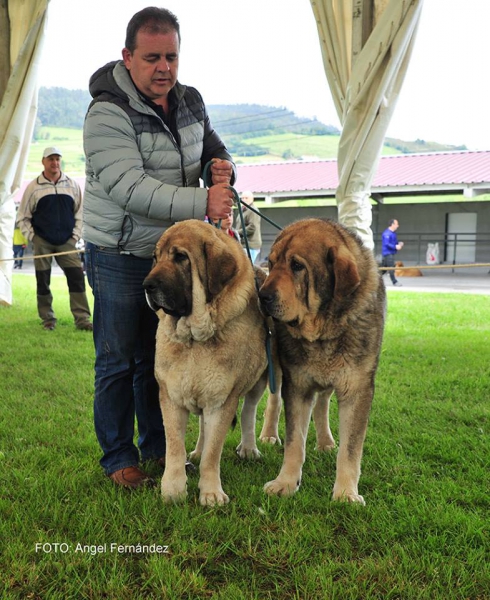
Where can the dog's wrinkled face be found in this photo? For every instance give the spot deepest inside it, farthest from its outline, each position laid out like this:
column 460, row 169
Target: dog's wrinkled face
column 309, row 267
column 169, row 284
column 187, row 254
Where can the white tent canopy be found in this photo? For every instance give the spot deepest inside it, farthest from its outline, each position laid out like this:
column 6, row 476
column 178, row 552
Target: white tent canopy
column 366, row 46
column 22, row 28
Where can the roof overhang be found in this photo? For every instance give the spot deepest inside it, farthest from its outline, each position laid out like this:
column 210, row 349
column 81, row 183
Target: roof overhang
column 379, row 193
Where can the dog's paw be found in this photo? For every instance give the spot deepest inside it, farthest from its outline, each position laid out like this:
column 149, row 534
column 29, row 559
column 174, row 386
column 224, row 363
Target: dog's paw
column 272, row 439
column 195, row 456
column 281, row 487
column 248, row 453
column 172, row 494
column 326, row 446
column 351, row 498
column 217, row 498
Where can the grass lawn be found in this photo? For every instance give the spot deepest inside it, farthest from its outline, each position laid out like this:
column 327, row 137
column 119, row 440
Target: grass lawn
column 424, row 533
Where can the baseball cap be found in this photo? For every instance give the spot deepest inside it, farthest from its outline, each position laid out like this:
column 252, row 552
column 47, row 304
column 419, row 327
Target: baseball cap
column 51, row 150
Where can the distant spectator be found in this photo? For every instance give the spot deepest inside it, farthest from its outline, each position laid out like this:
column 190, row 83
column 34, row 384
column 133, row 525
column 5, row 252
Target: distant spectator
column 50, row 215
column 390, row 246
column 19, row 245
column 252, row 226
column 227, row 227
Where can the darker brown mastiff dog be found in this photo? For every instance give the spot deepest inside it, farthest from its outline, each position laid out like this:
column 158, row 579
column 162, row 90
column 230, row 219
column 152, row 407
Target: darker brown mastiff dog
column 328, row 299
column 210, row 349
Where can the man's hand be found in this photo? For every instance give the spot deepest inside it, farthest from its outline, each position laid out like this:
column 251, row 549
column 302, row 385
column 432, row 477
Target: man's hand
column 221, row 171
column 220, row 201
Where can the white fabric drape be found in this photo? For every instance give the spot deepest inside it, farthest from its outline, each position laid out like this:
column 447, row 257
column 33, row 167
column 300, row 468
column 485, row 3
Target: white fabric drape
column 18, row 111
column 365, row 89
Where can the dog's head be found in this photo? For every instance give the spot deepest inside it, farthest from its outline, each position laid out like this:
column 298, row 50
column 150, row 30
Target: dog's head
column 399, row 263
column 193, row 263
column 312, row 267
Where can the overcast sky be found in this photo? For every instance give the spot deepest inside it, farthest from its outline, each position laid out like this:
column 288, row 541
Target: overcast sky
column 267, row 52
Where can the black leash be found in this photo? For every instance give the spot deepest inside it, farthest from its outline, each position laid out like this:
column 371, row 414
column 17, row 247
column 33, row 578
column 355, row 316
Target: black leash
column 268, row 330
column 239, row 202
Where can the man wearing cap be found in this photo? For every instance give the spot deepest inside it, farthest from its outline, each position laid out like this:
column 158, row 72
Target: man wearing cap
column 252, row 226
column 50, row 215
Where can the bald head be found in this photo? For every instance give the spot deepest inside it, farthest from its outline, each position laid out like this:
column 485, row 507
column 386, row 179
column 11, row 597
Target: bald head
column 247, row 197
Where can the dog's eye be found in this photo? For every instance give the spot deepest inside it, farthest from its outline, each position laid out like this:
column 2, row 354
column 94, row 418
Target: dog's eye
column 296, row 266
column 180, row 257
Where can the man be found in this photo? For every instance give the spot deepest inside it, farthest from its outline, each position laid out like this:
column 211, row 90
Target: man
column 390, row 246
column 50, row 215
column 252, row 226
column 147, row 139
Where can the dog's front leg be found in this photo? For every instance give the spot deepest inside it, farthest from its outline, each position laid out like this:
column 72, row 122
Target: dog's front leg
column 195, row 455
column 298, row 414
column 174, row 480
column 321, row 419
column 248, row 445
column 216, row 425
column 270, row 428
column 354, row 407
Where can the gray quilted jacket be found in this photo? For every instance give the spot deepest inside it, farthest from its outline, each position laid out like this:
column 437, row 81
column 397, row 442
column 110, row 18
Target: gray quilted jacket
column 140, row 178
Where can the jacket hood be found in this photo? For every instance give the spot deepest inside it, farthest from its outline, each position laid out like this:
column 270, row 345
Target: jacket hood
column 103, row 81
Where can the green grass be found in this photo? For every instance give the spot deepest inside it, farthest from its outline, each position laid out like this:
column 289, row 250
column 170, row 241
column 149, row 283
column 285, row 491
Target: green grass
column 424, row 533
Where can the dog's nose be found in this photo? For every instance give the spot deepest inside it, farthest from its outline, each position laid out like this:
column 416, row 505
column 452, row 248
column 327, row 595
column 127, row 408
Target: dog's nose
column 266, row 297
column 150, row 285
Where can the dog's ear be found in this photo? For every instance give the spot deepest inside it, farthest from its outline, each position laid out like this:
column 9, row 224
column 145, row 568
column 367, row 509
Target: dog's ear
column 221, row 268
column 344, row 268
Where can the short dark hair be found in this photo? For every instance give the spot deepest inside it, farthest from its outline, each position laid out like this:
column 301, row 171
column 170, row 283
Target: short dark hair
column 391, row 222
column 153, row 20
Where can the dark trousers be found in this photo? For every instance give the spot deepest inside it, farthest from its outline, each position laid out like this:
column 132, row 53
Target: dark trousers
column 70, row 263
column 389, row 261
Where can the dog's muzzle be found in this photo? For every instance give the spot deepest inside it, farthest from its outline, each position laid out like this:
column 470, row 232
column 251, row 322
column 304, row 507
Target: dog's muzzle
column 157, row 299
column 267, row 300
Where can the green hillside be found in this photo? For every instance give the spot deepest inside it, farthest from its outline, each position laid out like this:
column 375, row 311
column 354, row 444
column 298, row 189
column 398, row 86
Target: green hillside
column 253, row 133
column 286, row 146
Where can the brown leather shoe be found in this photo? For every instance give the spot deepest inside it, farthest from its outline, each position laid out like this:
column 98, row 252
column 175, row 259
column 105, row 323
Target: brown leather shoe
column 131, row 477
column 85, row 326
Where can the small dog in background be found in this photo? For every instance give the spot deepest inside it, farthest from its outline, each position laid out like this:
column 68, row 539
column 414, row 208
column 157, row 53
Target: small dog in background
column 407, row 271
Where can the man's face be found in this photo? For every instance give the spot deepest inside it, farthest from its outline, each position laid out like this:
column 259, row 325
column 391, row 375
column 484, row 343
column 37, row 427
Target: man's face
column 247, row 198
column 154, row 64
column 394, row 227
column 52, row 166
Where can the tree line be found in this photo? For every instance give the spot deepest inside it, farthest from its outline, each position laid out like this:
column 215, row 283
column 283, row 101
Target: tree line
column 61, row 107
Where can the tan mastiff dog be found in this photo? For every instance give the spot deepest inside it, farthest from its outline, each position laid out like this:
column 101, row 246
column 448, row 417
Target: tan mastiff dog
column 328, row 299
column 210, row 349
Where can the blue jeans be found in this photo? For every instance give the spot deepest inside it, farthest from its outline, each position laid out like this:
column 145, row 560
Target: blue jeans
column 124, row 339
